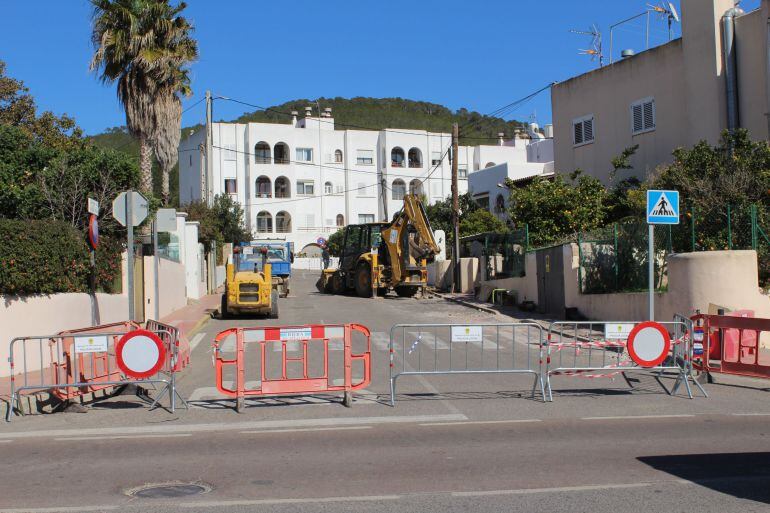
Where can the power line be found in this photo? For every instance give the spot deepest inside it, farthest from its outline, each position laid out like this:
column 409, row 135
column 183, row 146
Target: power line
column 308, row 198
column 194, row 105
column 508, row 108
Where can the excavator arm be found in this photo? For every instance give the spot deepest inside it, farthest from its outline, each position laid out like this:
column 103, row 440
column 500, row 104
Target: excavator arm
column 409, row 238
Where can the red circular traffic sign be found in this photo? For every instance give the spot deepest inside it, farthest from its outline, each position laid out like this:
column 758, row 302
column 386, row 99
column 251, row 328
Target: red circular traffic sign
column 140, row 354
column 648, row 344
column 93, row 232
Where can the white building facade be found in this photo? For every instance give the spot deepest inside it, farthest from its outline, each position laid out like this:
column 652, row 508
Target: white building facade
column 304, row 180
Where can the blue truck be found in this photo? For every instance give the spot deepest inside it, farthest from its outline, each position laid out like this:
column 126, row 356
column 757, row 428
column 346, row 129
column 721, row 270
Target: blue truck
column 280, row 254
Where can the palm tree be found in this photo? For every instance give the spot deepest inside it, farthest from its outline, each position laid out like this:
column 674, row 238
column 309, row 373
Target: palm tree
column 144, row 46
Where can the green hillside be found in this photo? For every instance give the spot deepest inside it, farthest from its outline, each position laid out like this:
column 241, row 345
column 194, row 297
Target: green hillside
column 362, row 113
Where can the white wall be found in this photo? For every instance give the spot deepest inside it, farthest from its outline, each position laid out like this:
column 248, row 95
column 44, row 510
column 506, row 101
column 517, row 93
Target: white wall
column 172, row 287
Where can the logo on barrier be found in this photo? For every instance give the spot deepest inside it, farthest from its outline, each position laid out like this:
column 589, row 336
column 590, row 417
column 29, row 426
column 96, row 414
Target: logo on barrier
column 140, row 354
column 617, row 331
column 466, row 333
column 91, row 344
column 648, row 344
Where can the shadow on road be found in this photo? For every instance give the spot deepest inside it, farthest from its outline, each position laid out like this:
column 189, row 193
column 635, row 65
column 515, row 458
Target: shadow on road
column 741, row 475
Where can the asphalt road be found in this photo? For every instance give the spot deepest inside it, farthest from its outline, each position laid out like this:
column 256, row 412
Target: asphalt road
column 451, row 443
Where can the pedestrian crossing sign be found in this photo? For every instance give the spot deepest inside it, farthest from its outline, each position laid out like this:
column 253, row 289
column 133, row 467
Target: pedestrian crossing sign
column 663, row 207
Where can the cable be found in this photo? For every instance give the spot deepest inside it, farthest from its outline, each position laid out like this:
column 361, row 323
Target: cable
column 307, row 198
column 193, row 105
column 509, row 108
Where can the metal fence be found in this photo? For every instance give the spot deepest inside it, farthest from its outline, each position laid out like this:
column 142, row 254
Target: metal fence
column 615, row 259
column 453, row 349
column 65, row 366
column 594, row 349
column 504, row 252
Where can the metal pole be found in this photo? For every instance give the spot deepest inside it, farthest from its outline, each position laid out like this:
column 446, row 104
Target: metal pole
column 156, row 262
column 729, row 229
column 648, row 31
column 209, row 151
column 456, row 207
column 651, row 268
column 130, row 251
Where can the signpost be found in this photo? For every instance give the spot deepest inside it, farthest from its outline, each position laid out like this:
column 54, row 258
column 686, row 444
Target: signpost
column 662, row 208
column 130, row 209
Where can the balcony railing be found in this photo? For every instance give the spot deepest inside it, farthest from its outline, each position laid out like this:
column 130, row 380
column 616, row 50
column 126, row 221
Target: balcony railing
column 318, row 229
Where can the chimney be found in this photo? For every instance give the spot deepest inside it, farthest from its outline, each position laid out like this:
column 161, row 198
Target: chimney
column 500, row 135
column 294, row 115
column 548, row 129
column 328, row 112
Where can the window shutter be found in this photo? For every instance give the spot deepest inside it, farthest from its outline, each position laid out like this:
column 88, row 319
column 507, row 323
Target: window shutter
column 649, row 115
column 578, row 132
column 588, row 130
column 638, row 118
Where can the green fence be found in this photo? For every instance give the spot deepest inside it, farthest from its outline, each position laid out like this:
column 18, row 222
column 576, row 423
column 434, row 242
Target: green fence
column 614, row 258
column 504, row 252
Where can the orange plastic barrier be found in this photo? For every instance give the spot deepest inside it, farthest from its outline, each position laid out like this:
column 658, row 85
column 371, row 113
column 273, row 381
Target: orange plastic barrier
column 276, row 339
column 741, row 349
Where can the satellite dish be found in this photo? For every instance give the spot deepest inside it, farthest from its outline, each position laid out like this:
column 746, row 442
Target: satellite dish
column 673, row 13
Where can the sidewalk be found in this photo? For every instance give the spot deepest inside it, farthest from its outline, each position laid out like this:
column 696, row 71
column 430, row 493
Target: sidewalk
column 192, row 317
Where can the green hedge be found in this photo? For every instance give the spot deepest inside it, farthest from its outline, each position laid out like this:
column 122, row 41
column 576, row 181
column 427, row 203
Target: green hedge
column 46, row 257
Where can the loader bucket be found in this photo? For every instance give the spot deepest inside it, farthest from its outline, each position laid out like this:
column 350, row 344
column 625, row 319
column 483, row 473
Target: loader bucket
column 324, row 282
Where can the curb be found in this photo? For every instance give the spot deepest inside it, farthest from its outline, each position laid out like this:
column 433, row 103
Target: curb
column 467, row 303
column 204, row 319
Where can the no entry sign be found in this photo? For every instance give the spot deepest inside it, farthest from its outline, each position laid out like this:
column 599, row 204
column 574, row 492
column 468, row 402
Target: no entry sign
column 648, row 344
column 140, row 354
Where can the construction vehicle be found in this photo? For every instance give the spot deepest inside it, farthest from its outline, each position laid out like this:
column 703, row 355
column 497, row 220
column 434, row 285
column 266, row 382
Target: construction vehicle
column 378, row 257
column 249, row 284
column 280, row 254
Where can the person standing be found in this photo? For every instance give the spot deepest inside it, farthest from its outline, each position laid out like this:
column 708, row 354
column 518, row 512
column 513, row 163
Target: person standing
column 325, row 255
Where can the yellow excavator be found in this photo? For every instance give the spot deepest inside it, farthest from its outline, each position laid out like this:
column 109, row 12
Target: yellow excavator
column 378, row 257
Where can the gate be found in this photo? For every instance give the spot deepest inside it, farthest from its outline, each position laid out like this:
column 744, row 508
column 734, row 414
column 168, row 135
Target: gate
column 550, row 281
column 308, row 347
column 447, row 349
column 599, row 349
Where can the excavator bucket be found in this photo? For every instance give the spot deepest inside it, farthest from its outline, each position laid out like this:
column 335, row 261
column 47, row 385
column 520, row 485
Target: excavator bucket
column 324, row 282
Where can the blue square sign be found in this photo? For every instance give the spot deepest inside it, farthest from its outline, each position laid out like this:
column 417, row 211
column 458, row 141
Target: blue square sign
column 663, row 207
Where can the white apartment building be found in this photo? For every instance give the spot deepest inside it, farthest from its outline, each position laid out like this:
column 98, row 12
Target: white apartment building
column 304, row 180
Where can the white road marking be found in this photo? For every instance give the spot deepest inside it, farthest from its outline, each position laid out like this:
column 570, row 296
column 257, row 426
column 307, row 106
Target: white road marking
column 119, row 437
column 303, row 430
column 751, row 414
column 524, row 491
column 232, row 426
column 218, row 504
column 380, row 340
column 636, row 417
column 472, row 422
column 196, row 340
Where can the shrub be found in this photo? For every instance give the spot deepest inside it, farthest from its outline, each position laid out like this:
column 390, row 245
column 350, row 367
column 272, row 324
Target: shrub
column 46, row 257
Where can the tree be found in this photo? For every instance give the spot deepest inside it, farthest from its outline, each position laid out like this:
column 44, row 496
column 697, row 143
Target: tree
column 143, row 45
column 220, row 223
column 481, row 221
column 440, row 214
column 335, row 242
column 554, row 209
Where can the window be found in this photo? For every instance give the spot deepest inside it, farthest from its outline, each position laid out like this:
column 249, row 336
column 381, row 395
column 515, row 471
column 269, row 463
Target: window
column 435, row 158
column 264, row 222
column 282, row 188
column 482, row 201
column 643, row 116
column 328, row 188
column 263, row 188
column 338, row 156
column 365, row 157
column 365, row 218
column 190, row 160
column 415, row 158
column 398, row 189
column 230, row 186
column 462, row 172
column 283, row 222
column 262, row 153
column 304, row 154
column 340, row 220
column 281, row 153
column 415, row 187
column 583, row 130
column 397, row 157
column 499, row 204
column 305, row 188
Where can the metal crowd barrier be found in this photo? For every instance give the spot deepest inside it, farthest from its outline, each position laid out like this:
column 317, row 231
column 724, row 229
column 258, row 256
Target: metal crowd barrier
column 737, row 344
column 69, row 374
column 447, row 349
column 597, row 349
column 309, row 347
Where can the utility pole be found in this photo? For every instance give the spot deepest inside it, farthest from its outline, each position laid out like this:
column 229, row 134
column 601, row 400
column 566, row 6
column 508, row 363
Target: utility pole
column 384, row 196
column 455, row 209
column 209, row 151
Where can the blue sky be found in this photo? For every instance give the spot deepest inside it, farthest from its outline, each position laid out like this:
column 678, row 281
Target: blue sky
column 478, row 54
